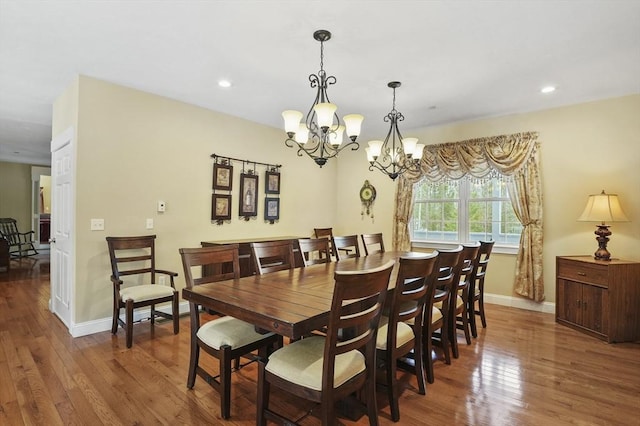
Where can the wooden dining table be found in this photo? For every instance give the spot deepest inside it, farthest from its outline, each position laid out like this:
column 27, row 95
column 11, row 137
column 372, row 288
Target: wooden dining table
column 291, row 303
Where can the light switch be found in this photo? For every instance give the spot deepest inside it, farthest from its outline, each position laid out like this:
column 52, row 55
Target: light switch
column 149, row 223
column 97, row 224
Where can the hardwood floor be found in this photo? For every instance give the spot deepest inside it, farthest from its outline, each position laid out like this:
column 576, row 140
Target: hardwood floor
column 524, row 369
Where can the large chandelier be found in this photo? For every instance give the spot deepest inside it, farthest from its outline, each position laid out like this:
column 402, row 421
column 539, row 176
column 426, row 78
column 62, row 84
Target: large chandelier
column 319, row 136
column 396, row 154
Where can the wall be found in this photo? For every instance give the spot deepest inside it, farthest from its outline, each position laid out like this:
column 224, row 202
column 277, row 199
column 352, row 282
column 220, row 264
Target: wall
column 584, row 148
column 135, row 148
column 15, row 193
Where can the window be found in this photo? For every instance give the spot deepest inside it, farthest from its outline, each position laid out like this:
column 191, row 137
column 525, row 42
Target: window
column 464, row 211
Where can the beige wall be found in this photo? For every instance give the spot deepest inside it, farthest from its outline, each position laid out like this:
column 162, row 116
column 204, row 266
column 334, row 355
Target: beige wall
column 584, row 148
column 15, row 193
column 135, row 148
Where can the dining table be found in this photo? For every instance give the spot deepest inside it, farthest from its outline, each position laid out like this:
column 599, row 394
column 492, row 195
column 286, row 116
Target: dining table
column 293, row 302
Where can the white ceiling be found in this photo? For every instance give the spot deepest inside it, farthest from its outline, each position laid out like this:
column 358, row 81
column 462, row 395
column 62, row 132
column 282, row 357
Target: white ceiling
column 457, row 60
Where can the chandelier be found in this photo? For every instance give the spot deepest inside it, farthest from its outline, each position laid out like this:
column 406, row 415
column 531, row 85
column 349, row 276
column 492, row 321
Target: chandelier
column 319, row 136
column 396, row 154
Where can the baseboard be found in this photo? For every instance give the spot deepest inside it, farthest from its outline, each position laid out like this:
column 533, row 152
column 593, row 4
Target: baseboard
column 104, row 324
column 520, row 303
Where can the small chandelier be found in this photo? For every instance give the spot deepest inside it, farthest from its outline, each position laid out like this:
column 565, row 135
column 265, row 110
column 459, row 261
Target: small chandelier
column 396, row 156
column 319, row 136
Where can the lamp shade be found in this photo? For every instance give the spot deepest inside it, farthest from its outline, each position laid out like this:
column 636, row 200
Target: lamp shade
column 603, row 208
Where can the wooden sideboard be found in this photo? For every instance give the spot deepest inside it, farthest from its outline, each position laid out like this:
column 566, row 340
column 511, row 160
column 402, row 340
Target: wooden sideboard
column 246, row 263
column 599, row 298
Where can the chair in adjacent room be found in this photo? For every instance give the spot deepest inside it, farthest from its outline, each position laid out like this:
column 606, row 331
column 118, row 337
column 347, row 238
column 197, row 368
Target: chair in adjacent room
column 225, row 338
column 327, row 369
column 314, row 250
column 346, row 246
column 372, row 243
column 476, row 289
column 133, row 258
column 20, row 243
column 272, row 256
column 460, row 316
column 400, row 333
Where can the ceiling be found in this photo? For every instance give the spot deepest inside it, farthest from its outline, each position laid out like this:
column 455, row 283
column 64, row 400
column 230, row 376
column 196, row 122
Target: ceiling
column 457, row 60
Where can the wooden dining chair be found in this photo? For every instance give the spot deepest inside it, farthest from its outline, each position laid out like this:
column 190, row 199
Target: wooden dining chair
column 476, row 288
column 134, row 257
column 436, row 323
column 328, row 234
column 400, row 333
column 372, row 243
column 272, row 256
column 224, row 338
column 346, row 246
column 326, row 369
column 460, row 316
column 314, row 250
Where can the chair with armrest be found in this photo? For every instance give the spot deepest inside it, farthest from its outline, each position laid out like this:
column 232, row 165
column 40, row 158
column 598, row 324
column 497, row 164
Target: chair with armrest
column 400, row 332
column 476, row 289
column 469, row 259
column 327, row 369
column 225, row 338
column 346, row 246
column 272, row 256
column 375, row 240
column 134, row 257
column 314, row 250
column 20, row 243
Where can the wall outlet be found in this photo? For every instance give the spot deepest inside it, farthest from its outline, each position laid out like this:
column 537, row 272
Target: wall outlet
column 97, row 224
column 161, row 206
column 162, row 280
column 149, row 224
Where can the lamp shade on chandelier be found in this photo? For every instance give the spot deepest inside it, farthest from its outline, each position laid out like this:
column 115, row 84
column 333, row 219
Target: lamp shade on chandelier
column 395, row 155
column 321, row 134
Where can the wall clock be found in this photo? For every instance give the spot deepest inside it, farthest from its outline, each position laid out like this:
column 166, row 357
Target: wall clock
column 367, row 197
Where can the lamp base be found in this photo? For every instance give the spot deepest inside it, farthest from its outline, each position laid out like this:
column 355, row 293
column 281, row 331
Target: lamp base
column 603, row 238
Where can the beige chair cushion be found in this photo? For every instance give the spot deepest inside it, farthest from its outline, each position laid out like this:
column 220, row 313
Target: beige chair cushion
column 459, row 302
column 229, row 331
column 404, row 335
column 139, row 293
column 301, row 363
column 436, row 314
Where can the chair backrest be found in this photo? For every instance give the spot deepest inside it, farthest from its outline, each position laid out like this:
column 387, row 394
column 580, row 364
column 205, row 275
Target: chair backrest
column 315, row 250
column 132, row 256
column 468, row 263
column 346, row 246
column 357, row 302
column 221, row 261
column 325, row 233
column 415, row 286
column 9, row 230
column 372, row 240
column 482, row 262
column 272, row 256
column 449, row 272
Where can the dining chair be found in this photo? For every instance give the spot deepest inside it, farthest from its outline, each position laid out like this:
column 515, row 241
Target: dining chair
column 372, row 240
column 328, row 234
column 476, row 289
column 346, row 246
column 225, row 338
column 314, row 250
column 400, row 333
column 438, row 318
column 134, row 257
column 272, row 256
column 325, row 369
column 460, row 316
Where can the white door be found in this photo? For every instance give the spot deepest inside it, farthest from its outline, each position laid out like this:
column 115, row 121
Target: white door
column 62, row 220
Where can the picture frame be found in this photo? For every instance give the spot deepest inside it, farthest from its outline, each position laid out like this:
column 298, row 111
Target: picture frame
column 248, row 205
column 271, row 182
column 271, row 208
column 222, row 176
column 221, row 207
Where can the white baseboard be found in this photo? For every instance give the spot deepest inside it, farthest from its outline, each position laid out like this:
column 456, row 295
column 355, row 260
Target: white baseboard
column 520, row 302
column 104, row 324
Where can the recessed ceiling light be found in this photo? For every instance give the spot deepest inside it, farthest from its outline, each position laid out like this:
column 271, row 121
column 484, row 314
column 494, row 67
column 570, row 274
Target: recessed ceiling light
column 224, row 83
column 548, row 89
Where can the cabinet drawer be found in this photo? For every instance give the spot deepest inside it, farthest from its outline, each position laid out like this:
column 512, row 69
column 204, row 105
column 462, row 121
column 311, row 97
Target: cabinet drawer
column 583, row 272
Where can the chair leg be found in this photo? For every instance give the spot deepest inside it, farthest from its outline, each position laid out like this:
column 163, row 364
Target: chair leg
column 129, row 317
column 428, row 351
column 263, row 395
column 116, row 315
column 153, row 314
column 372, row 404
column 472, row 318
column 193, row 361
column 175, row 314
column 225, row 381
column 392, row 385
column 444, row 340
column 419, row 364
column 465, row 325
column 481, row 306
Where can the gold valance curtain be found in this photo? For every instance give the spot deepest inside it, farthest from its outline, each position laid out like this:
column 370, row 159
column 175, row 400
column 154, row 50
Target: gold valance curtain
column 513, row 157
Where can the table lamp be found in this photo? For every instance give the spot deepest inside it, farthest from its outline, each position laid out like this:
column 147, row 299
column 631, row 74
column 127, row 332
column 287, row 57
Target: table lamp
column 603, row 208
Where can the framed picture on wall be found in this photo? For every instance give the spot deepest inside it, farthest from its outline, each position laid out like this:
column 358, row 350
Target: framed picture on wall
column 272, row 182
column 248, row 195
column 222, row 176
column 271, row 208
column 221, row 207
